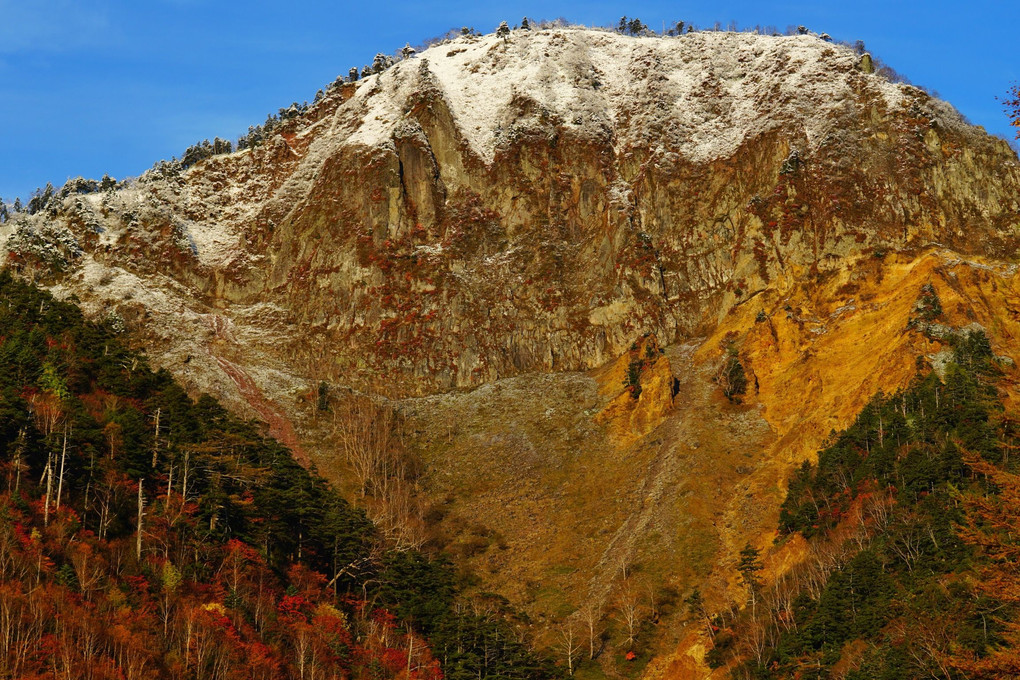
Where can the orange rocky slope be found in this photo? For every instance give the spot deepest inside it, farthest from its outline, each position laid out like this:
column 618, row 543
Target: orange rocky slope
column 818, row 356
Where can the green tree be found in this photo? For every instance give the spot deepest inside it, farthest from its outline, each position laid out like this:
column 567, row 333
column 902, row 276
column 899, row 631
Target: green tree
column 749, row 566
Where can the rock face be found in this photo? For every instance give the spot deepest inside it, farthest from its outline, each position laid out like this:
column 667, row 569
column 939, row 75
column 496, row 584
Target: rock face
column 515, row 213
column 493, row 207
column 641, row 390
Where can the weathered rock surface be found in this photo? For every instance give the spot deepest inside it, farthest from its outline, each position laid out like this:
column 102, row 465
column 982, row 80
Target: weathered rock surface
column 496, row 207
column 512, row 216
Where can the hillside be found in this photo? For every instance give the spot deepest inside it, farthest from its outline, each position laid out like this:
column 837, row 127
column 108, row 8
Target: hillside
column 546, row 263
column 146, row 535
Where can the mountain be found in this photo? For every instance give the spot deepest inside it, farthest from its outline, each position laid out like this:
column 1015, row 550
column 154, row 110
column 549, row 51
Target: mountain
column 611, row 291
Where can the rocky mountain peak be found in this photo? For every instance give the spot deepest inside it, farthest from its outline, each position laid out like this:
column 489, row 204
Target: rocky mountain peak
column 535, row 201
column 549, row 252
column 698, row 95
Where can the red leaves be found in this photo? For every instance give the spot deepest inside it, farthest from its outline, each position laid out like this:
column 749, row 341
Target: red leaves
column 384, row 618
column 139, row 585
column 1012, row 107
column 293, row 608
column 108, row 616
column 239, row 550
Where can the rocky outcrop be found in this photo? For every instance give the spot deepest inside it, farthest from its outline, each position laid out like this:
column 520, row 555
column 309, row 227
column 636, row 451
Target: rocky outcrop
column 641, row 387
column 495, row 207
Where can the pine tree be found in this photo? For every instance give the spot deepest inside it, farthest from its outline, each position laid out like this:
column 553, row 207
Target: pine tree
column 221, row 146
column 406, row 52
column 40, row 198
column 749, row 566
column 17, row 205
column 381, row 62
column 503, row 31
column 352, row 75
column 525, row 24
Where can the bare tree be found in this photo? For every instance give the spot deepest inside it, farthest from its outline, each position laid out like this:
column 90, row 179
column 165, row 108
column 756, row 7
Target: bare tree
column 365, row 430
column 630, row 611
column 570, row 643
column 155, row 438
column 48, row 476
column 369, row 436
column 63, row 460
column 591, row 616
column 141, row 514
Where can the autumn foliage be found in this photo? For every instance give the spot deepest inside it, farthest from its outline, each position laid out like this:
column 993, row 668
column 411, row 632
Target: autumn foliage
column 1012, row 105
column 993, row 528
column 144, row 534
column 910, row 522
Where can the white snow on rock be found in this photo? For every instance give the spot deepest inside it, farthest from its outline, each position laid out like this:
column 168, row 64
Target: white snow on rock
column 702, row 93
column 695, row 97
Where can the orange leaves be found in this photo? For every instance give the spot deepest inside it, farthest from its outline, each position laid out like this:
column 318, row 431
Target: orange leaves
column 76, row 608
column 1012, row 106
column 993, row 525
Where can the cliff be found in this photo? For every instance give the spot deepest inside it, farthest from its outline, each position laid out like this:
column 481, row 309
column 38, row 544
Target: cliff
column 481, row 231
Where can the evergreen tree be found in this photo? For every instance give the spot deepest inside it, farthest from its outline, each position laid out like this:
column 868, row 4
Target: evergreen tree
column 17, row 204
column 503, row 31
column 352, row 75
column 221, row 146
column 629, row 26
column 381, row 62
column 525, row 24
column 40, row 198
column 749, row 566
column 196, row 153
column 406, row 52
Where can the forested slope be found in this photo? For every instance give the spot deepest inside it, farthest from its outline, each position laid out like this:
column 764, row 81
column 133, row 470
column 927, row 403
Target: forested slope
column 910, row 523
column 143, row 534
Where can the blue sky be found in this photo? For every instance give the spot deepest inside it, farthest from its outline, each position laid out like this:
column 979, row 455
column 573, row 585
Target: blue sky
column 114, row 85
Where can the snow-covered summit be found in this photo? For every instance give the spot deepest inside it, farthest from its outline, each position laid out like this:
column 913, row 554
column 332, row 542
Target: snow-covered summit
column 701, row 94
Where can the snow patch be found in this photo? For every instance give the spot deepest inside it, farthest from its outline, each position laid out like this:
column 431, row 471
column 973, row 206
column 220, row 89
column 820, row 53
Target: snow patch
column 703, row 94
